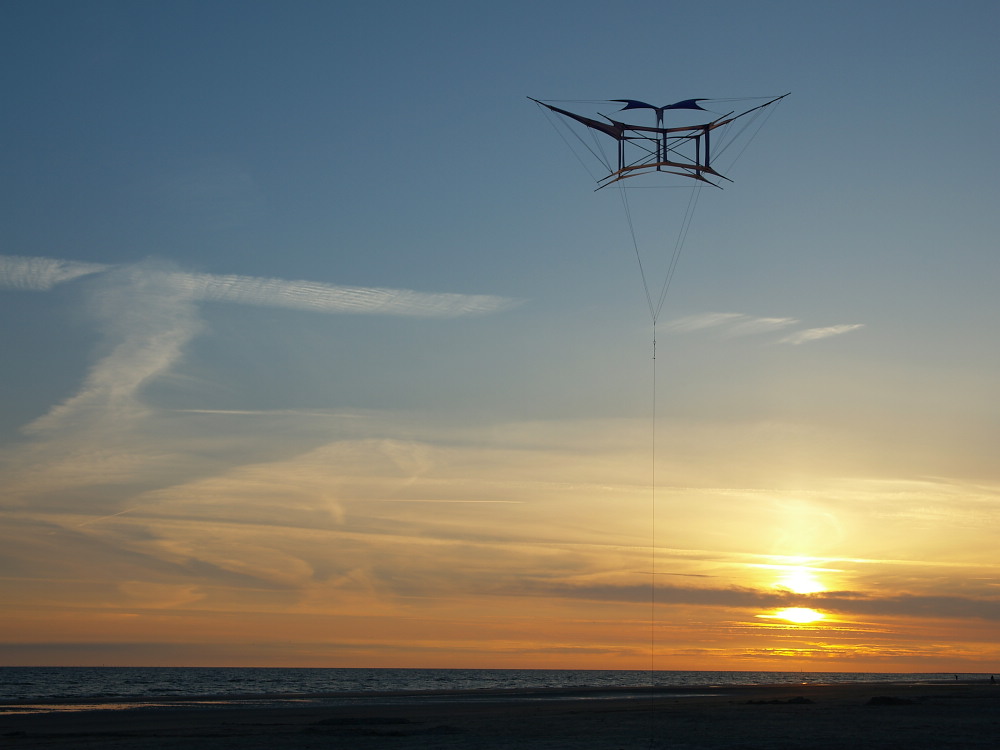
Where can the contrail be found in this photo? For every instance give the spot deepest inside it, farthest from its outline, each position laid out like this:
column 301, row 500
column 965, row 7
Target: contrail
column 41, row 274
column 327, row 298
column 149, row 314
column 104, row 518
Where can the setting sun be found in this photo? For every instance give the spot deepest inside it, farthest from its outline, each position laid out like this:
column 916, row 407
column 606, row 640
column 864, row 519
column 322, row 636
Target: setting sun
column 799, row 615
column 801, row 580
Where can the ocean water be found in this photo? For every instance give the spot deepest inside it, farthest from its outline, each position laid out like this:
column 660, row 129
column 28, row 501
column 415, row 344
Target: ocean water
column 106, row 685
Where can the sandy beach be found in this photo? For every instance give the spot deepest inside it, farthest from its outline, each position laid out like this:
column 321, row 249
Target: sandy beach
column 913, row 717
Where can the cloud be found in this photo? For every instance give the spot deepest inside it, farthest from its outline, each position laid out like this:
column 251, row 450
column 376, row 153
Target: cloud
column 740, row 324
column 732, row 324
column 148, row 315
column 908, row 605
column 752, row 326
column 327, row 298
column 815, row 334
column 91, row 437
column 41, row 274
column 702, row 321
column 147, row 320
column 151, row 595
column 840, row 602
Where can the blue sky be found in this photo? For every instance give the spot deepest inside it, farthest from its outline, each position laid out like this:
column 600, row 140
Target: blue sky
column 245, row 241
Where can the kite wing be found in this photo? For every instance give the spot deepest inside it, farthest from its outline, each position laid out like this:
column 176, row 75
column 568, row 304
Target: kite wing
column 686, row 104
column 684, row 150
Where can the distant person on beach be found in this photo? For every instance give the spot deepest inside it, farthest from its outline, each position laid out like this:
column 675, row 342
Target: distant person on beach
column 993, row 679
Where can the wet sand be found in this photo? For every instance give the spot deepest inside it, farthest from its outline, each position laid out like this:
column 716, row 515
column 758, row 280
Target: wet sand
column 903, row 717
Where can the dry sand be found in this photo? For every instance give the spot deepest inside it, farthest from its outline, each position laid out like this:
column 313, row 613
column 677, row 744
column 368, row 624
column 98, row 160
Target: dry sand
column 840, row 717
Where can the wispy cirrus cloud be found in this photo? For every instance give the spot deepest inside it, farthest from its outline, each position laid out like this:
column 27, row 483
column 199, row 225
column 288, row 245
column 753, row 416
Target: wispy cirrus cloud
column 42, row 274
column 730, row 324
column 741, row 324
column 328, row 298
column 91, row 437
column 702, row 321
column 752, row 326
column 148, row 314
column 815, row 334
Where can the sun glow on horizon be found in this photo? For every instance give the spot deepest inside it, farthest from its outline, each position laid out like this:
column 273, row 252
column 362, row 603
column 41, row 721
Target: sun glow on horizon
column 799, row 575
column 797, row 615
column 801, row 580
column 796, row 576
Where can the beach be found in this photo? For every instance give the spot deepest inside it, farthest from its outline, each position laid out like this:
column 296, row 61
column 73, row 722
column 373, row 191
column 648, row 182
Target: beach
column 824, row 717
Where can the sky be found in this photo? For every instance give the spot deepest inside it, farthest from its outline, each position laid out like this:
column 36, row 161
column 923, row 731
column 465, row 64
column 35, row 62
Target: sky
column 320, row 348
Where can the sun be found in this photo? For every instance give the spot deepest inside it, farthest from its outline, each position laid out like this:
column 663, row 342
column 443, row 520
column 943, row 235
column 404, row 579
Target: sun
column 801, row 580
column 799, row 615
column 796, row 576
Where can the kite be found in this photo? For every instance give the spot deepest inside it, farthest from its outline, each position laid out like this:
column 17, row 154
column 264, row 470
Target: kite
column 687, row 150
column 681, row 141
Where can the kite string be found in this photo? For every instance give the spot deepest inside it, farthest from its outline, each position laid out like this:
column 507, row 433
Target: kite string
column 682, row 233
column 638, row 255
column 685, row 225
column 652, row 547
column 654, row 313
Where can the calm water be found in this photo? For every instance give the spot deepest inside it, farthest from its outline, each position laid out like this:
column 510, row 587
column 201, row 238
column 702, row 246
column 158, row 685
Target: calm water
column 107, row 684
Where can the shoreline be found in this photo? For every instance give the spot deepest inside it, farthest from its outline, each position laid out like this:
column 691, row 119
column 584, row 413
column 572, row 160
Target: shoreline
column 774, row 717
column 346, row 697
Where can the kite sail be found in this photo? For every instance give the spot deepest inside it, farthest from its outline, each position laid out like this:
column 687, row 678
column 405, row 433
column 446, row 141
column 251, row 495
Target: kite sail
column 684, row 149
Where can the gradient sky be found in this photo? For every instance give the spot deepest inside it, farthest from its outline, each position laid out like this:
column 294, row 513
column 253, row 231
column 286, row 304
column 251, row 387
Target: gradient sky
column 320, row 350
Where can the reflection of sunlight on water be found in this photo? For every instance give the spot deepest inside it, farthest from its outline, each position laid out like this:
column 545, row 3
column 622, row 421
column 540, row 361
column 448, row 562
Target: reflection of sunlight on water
column 72, row 706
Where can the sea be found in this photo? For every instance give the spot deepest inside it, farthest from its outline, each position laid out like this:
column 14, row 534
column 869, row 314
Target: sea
column 87, row 688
